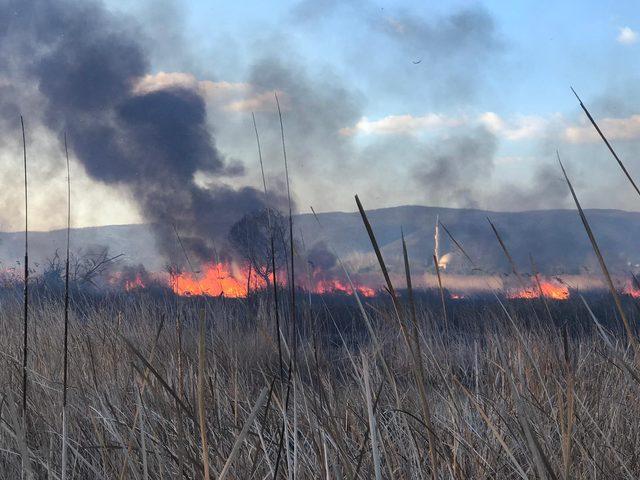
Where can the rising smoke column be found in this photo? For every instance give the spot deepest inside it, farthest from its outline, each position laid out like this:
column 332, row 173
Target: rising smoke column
column 84, row 62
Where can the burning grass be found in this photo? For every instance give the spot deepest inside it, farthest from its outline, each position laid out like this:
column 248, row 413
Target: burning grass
column 552, row 289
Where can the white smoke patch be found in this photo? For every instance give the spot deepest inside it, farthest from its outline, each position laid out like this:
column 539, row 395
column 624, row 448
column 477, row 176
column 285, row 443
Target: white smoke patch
column 444, row 260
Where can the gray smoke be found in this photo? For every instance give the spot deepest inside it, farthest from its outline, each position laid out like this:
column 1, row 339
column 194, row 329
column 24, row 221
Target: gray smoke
column 453, row 167
column 83, row 61
column 440, row 58
column 545, row 189
column 317, row 105
column 321, row 258
column 468, row 34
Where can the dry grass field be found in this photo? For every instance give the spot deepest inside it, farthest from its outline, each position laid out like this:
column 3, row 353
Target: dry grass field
column 499, row 391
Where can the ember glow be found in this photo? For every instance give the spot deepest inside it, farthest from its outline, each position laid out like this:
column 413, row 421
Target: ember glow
column 550, row 289
column 128, row 283
column 134, row 284
column 337, row 286
column 631, row 289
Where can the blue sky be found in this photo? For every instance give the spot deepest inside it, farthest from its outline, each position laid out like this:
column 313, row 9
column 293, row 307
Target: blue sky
column 547, row 46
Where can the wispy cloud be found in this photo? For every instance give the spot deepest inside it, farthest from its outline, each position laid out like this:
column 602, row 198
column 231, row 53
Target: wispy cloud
column 627, row 36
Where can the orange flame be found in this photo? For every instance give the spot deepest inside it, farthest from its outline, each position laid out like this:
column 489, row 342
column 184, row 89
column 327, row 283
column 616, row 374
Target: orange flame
column 216, row 279
column 550, row 289
column 229, row 280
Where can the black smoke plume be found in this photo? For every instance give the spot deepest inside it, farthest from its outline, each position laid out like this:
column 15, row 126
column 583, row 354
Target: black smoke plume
column 84, row 62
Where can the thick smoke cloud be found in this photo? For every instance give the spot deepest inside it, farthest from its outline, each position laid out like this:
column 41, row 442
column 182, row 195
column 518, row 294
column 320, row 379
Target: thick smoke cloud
column 84, row 62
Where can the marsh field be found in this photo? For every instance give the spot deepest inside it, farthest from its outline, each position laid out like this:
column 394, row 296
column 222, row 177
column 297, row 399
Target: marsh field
column 170, row 309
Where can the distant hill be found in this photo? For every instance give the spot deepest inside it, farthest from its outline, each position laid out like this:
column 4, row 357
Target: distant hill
column 554, row 238
column 136, row 242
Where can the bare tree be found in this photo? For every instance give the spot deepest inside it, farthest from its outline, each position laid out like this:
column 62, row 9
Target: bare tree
column 89, row 266
column 251, row 239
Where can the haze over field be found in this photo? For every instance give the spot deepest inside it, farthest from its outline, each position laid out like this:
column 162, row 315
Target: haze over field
column 554, row 238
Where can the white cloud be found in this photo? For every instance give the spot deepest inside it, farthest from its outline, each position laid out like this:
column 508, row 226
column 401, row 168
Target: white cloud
column 217, row 91
column 613, row 128
column 256, row 102
column 521, row 127
column 402, row 124
column 230, row 96
column 627, row 36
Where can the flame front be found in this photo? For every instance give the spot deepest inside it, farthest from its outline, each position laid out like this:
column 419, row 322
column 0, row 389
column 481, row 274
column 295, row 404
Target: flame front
column 230, row 280
column 217, row 279
column 549, row 288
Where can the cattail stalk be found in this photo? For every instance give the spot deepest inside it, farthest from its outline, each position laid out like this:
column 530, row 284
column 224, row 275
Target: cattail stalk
column 373, row 429
column 273, row 250
column 243, row 434
column 294, row 323
column 442, row 299
column 25, row 337
column 606, row 142
column 631, row 338
column 293, row 276
column 66, row 321
column 202, row 365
